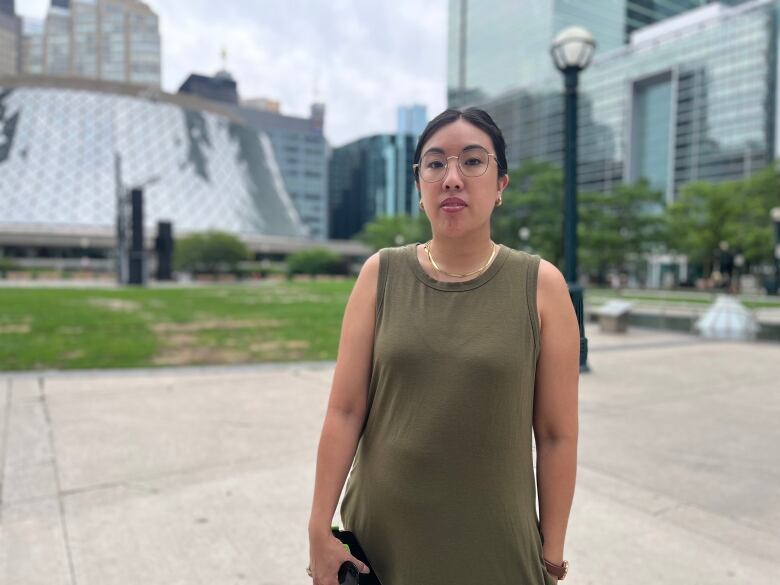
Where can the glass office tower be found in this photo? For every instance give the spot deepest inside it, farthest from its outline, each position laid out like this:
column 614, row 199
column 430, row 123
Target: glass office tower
column 497, row 45
column 411, row 119
column 371, row 177
column 688, row 97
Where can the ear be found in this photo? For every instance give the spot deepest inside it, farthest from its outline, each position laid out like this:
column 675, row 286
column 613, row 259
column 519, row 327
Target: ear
column 503, row 182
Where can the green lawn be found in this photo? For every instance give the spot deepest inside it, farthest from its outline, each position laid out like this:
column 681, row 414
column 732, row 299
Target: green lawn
column 113, row 328
column 97, row 328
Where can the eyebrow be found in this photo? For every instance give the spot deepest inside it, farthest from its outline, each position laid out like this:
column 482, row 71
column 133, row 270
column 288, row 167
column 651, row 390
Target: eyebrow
column 437, row 150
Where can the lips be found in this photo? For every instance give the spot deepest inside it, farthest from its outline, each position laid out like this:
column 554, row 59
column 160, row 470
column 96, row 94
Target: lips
column 453, row 202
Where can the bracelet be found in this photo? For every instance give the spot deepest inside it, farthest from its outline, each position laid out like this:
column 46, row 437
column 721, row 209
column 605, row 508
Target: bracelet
column 558, row 571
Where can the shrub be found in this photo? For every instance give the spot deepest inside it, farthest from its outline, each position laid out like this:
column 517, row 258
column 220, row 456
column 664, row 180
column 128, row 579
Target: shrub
column 315, row 261
column 210, row 252
column 7, row 265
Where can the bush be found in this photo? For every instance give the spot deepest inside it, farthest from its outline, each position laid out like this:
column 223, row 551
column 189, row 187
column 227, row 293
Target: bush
column 210, row 252
column 7, row 265
column 315, row 261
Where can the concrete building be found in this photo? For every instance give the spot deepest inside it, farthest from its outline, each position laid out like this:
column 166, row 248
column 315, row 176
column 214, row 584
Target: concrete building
column 73, row 145
column 10, row 44
column 112, row 40
column 261, row 103
column 301, row 152
column 32, row 46
column 8, row 7
column 299, row 144
column 370, row 177
column 221, row 87
column 10, row 39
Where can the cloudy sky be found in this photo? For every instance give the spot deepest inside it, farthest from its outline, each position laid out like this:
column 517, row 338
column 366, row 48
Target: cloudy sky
column 362, row 58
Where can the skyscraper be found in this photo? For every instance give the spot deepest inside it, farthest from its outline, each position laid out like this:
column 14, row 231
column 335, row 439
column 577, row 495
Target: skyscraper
column 412, row 119
column 113, row 40
column 370, row 177
column 498, row 45
column 10, row 39
column 7, row 7
column 690, row 94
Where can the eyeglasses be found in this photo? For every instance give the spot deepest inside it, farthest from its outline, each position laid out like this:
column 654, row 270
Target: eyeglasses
column 472, row 162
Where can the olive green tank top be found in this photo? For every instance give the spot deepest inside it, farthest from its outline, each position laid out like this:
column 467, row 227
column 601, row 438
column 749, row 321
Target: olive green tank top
column 442, row 488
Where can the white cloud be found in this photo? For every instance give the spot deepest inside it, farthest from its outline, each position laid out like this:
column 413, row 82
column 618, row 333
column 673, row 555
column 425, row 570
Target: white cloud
column 32, row 8
column 364, row 58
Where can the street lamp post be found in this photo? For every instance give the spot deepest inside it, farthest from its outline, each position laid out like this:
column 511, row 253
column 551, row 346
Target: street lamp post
column 572, row 51
column 775, row 215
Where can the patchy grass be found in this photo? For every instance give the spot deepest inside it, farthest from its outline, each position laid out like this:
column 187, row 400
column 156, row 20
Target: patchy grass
column 73, row 328
column 273, row 321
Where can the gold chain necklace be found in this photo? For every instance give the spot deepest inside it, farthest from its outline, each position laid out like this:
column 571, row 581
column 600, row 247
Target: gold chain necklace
column 433, row 263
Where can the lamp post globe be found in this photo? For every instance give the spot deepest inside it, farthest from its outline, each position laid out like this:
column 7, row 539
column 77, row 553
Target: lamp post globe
column 572, row 51
column 573, row 47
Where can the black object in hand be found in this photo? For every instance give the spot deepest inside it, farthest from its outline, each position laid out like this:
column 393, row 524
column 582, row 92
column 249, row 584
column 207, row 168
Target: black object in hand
column 348, row 574
column 349, row 538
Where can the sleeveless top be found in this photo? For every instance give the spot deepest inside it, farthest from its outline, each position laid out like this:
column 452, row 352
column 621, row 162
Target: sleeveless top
column 442, row 488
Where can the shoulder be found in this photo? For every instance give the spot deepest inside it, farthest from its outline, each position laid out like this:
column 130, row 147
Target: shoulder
column 521, row 254
column 528, row 262
column 389, row 252
column 372, row 264
column 370, row 267
column 552, row 291
column 550, row 278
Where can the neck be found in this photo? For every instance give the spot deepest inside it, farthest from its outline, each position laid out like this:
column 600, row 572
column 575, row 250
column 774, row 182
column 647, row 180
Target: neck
column 463, row 253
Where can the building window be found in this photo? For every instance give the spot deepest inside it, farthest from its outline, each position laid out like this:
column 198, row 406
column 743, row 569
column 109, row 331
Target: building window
column 651, row 131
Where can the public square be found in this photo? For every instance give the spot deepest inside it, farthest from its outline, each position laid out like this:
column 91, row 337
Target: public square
column 205, row 475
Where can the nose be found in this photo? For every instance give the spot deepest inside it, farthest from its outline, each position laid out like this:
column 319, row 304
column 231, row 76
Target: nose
column 452, row 180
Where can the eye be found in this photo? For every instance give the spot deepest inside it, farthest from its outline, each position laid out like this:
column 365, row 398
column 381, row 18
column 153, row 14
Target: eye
column 434, row 164
column 473, row 161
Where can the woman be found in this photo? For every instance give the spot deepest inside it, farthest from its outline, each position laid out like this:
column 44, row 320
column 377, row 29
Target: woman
column 451, row 354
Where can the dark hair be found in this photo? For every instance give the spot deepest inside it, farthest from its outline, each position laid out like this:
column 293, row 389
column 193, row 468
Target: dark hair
column 479, row 118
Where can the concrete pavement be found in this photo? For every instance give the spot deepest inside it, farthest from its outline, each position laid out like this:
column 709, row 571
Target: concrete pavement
column 205, row 475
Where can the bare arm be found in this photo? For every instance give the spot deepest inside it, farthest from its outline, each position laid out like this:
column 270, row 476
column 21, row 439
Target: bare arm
column 348, row 399
column 556, row 408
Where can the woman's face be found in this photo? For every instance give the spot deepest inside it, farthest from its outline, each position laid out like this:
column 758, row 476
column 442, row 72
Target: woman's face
column 459, row 204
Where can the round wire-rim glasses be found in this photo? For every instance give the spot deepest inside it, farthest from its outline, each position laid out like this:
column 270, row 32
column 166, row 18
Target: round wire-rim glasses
column 436, row 174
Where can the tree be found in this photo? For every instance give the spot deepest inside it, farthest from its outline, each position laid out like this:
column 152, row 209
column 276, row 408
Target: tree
column 737, row 212
column 209, row 252
column 315, row 261
column 752, row 235
column 703, row 215
column 533, row 203
column 618, row 227
column 613, row 228
column 394, row 230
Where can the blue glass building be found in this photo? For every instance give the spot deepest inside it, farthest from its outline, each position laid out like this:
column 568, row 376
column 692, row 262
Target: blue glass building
column 677, row 91
column 497, row 45
column 371, row 177
column 412, row 119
